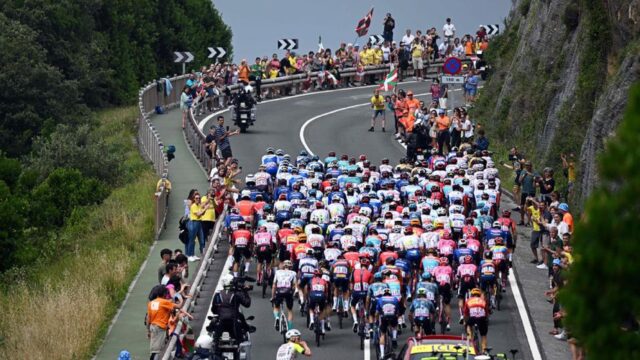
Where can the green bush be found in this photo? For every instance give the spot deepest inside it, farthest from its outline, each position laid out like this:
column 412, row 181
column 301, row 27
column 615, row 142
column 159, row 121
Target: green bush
column 524, row 7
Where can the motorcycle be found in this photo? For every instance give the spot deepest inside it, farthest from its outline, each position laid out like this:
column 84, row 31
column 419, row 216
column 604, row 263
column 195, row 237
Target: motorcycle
column 224, row 346
column 243, row 110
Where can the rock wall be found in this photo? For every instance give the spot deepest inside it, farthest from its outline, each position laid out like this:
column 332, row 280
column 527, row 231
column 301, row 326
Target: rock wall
column 563, row 69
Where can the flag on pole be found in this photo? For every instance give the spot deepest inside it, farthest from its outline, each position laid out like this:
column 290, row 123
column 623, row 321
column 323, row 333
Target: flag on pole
column 363, row 24
column 390, row 82
column 320, row 46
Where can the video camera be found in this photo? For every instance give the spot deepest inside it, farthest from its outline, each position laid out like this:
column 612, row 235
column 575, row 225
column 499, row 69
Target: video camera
column 239, row 283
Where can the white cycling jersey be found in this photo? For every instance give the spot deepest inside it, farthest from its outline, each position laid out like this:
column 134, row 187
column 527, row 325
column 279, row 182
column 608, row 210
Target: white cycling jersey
column 284, row 279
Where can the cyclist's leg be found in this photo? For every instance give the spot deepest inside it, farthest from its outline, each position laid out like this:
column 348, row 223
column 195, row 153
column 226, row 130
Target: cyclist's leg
column 289, row 304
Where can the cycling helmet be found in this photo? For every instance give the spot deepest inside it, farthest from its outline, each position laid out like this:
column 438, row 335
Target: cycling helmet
column 262, row 228
column 426, row 275
column 444, row 261
column 415, row 222
column 462, row 241
column 317, row 272
column 386, row 291
column 235, row 210
column 429, row 227
column 287, row 264
column 499, row 241
column 280, row 152
column 303, row 153
column 438, row 224
column 205, row 342
column 506, row 213
column 468, row 259
column 364, row 260
column 422, row 292
column 496, row 224
column 469, row 221
column 292, row 333
column 249, row 179
column 441, row 212
column 309, row 251
column 488, row 255
column 241, row 224
column 302, row 237
column 408, row 230
column 269, row 150
column 271, row 217
column 377, row 276
column 446, row 234
column 476, row 292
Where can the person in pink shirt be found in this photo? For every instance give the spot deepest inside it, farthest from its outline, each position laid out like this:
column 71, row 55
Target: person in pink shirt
column 467, row 276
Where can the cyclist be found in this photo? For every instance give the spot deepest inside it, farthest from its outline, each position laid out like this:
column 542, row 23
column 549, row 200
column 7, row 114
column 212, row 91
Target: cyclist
column 359, row 286
column 318, row 296
column 388, row 308
column 500, row 254
column 444, row 278
column 294, row 346
column 467, row 276
column 476, row 313
column 241, row 241
column 340, row 274
column 284, row 252
column 284, row 283
column 421, row 313
column 488, row 277
column 265, row 248
column 307, row 266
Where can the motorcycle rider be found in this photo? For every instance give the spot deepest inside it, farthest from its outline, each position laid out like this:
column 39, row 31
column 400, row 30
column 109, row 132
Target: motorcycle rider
column 226, row 304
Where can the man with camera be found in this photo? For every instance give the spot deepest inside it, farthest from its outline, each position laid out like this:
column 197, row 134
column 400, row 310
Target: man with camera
column 226, row 305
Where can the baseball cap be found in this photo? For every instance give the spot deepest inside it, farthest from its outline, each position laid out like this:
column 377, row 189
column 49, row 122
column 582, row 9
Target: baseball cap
column 557, row 262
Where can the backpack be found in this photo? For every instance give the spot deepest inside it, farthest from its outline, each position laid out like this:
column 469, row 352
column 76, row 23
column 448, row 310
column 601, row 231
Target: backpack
column 183, row 232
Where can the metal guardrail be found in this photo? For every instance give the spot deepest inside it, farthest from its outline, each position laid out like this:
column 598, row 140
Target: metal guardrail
column 149, row 141
column 196, row 285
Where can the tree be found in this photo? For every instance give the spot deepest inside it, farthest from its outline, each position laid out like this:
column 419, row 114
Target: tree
column 603, row 293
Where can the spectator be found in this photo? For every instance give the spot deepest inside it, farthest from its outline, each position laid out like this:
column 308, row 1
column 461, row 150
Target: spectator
column 186, row 101
column 389, row 25
column 257, row 73
column 443, row 123
column 526, row 181
column 407, row 40
column 481, row 34
column 456, row 126
column 210, row 147
column 196, row 211
column 165, row 255
column 222, row 140
column 569, row 171
column 547, row 185
column 533, row 210
column 416, row 58
column 558, row 282
column 467, row 127
column 449, row 31
column 159, row 310
column 482, row 143
column 209, row 217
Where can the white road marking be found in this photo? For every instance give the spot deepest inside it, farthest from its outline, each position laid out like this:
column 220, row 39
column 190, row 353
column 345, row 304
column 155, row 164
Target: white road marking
column 526, row 322
column 367, row 351
column 204, row 121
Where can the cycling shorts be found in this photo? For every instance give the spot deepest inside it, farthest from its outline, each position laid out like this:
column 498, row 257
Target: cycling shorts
column 483, row 324
column 445, row 291
column 413, row 255
column 342, row 284
column 486, row 281
column 464, row 287
column 305, row 280
column 286, row 297
column 424, row 323
column 386, row 321
column 357, row 296
column 317, row 299
column 238, row 252
column 264, row 253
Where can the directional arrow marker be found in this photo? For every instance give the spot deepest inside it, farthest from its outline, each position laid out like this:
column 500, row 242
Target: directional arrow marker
column 493, row 29
column 376, row 39
column 287, row 44
column 182, row 57
column 216, row 52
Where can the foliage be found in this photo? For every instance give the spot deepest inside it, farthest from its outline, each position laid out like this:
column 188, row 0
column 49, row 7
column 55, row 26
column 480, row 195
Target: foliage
column 70, row 54
column 524, row 7
column 599, row 319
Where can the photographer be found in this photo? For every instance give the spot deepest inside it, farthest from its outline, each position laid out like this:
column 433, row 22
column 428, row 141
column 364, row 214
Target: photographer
column 226, row 304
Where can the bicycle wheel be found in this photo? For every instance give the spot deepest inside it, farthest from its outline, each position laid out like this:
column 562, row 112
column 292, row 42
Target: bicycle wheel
column 476, row 338
column 284, row 327
column 376, row 343
column 498, row 296
column 265, row 280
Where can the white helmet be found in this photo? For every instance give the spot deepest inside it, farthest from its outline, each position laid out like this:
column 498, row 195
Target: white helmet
column 245, row 193
column 227, row 280
column 291, row 333
column 250, row 179
column 271, row 217
column 205, row 341
column 441, row 211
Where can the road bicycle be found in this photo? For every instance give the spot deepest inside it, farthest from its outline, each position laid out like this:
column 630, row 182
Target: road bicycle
column 264, row 277
column 362, row 322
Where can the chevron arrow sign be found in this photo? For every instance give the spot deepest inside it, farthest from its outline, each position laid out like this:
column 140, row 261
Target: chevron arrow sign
column 287, row 44
column 376, row 39
column 493, row 29
column 216, row 52
column 182, row 57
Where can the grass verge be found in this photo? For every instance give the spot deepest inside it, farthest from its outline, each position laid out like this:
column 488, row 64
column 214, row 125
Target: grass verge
column 64, row 309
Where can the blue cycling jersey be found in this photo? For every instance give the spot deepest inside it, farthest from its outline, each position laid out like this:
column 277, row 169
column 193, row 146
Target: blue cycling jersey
column 422, row 308
column 388, row 306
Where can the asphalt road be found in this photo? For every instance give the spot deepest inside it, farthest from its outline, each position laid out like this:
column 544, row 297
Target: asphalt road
column 344, row 131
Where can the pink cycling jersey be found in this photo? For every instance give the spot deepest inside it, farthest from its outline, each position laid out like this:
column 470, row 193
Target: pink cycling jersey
column 446, row 247
column 443, row 274
column 465, row 270
column 262, row 238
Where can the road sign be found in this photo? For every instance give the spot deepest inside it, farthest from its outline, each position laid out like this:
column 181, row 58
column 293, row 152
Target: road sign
column 493, row 29
column 216, row 52
column 452, row 66
column 182, row 57
column 287, row 44
column 376, row 39
column 452, row 80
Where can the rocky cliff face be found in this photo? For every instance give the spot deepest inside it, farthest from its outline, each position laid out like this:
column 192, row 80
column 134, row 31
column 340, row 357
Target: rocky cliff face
column 563, row 69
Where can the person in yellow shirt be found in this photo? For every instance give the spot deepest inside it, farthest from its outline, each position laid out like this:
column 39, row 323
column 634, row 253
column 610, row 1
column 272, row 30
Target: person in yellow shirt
column 416, row 55
column 209, row 217
column 377, row 55
column 378, row 106
column 364, row 55
column 196, row 211
column 536, row 230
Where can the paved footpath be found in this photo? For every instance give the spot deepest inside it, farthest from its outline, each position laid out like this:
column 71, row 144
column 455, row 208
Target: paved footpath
column 128, row 330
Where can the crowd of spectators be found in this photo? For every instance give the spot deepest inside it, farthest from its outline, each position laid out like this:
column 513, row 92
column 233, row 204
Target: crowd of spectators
column 415, row 50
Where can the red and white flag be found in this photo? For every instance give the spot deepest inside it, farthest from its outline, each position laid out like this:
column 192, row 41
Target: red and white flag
column 363, row 25
column 390, row 82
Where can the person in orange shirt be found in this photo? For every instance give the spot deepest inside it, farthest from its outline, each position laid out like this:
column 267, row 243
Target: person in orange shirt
column 246, row 208
column 398, row 108
column 244, row 71
column 411, row 105
column 567, row 218
column 159, row 312
column 443, row 123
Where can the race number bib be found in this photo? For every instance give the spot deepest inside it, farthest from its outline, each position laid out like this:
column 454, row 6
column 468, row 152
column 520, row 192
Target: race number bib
column 242, row 241
column 388, row 309
column 477, row 312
